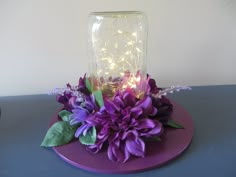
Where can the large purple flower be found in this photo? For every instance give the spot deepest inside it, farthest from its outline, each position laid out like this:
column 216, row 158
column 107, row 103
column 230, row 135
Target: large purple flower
column 122, row 123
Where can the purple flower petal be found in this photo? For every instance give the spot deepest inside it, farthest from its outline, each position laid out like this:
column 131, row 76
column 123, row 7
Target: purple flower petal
column 95, row 148
column 145, row 124
column 155, row 131
column 89, row 106
column 110, row 106
column 110, row 154
column 74, row 121
column 129, row 134
column 129, row 99
column 118, row 152
column 81, row 81
column 119, row 101
column 62, row 99
column 82, row 86
column 79, row 115
column 80, row 111
column 73, row 102
column 83, row 128
column 135, row 146
column 154, row 111
column 103, row 133
column 113, row 137
column 146, row 105
column 136, row 111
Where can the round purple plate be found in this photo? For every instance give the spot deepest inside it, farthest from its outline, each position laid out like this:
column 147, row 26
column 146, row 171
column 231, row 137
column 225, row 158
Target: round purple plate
column 157, row 153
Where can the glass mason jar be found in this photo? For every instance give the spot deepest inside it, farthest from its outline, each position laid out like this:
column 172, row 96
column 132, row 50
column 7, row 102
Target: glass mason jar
column 117, row 48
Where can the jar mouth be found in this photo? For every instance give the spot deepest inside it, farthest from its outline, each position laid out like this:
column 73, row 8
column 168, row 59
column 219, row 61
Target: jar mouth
column 116, row 13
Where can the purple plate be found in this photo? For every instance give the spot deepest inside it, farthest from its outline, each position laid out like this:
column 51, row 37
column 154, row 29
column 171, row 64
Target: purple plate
column 157, row 153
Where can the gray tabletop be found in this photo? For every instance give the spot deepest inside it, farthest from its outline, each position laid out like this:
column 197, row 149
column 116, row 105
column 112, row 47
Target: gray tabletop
column 24, row 121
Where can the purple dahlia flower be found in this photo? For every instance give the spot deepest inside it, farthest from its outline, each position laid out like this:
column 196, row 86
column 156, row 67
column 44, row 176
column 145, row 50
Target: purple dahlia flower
column 122, row 124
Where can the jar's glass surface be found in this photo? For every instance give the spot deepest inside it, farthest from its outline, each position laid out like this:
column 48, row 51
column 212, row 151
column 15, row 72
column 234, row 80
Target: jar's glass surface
column 118, row 49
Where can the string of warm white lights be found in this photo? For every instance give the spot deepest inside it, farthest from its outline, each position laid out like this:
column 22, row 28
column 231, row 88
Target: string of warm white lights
column 123, row 59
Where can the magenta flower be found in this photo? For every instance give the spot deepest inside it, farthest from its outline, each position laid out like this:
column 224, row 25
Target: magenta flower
column 122, row 123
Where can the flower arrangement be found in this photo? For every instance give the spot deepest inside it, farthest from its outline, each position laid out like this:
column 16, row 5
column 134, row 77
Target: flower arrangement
column 121, row 124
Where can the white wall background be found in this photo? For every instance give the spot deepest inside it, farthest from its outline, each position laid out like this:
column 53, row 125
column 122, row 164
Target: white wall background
column 43, row 43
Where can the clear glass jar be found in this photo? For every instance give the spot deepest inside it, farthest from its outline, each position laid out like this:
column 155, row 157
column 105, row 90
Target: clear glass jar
column 118, row 50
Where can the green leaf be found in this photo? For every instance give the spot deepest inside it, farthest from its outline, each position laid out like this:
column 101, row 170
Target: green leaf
column 58, row 134
column 173, row 124
column 156, row 138
column 65, row 115
column 89, row 138
column 88, row 85
column 99, row 98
